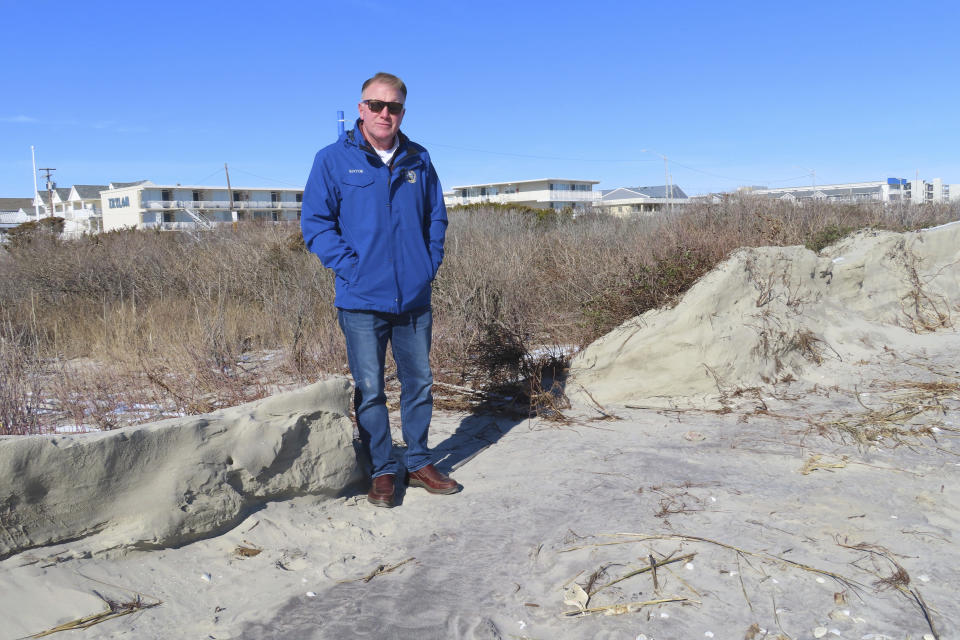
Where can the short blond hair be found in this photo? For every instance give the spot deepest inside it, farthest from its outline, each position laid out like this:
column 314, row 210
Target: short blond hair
column 388, row 79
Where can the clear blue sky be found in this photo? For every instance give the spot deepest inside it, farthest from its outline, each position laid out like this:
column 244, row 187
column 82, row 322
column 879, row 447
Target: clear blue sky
column 733, row 93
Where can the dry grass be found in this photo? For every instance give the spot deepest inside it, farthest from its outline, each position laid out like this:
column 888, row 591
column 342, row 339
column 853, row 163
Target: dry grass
column 131, row 326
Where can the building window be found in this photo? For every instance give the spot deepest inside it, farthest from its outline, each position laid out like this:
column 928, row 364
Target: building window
column 274, row 197
column 166, row 194
column 299, row 197
column 197, row 195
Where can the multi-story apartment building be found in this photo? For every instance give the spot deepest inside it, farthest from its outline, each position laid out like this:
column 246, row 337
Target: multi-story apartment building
column 889, row 190
column 545, row 193
column 144, row 205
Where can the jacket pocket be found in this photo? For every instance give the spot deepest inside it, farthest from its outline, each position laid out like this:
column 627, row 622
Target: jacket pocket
column 358, row 179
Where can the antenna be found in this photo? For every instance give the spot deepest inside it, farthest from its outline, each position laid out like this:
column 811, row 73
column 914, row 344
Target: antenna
column 36, row 192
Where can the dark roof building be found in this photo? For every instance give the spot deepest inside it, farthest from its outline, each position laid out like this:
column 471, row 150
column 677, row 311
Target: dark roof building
column 630, row 200
column 12, row 205
column 659, row 191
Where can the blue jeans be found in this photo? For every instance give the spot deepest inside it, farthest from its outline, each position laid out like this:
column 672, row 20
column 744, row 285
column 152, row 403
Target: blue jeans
column 367, row 334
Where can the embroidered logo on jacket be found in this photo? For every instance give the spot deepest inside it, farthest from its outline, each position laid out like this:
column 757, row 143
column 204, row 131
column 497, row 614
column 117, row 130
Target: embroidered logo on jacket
column 356, row 170
column 411, row 177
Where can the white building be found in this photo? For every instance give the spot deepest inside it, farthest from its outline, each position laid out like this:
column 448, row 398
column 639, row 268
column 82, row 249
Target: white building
column 631, row 200
column 79, row 206
column 144, row 205
column 545, row 193
column 14, row 212
column 889, row 190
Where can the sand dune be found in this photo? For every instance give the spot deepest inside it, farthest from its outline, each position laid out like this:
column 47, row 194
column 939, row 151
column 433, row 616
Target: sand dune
column 170, row 482
column 771, row 314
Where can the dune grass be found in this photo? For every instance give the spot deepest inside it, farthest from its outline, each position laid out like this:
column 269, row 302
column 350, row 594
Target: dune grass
column 132, row 326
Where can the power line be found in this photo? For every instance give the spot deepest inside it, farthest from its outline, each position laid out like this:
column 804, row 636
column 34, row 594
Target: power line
column 526, row 155
column 212, row 173
column 616, row 161
column 292, row 184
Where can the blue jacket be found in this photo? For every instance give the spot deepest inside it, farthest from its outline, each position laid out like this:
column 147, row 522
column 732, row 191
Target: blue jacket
column 380, row 228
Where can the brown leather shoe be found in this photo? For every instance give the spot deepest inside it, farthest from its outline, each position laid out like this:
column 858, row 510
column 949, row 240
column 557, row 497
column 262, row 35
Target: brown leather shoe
column 381, row 491
column 433, row 481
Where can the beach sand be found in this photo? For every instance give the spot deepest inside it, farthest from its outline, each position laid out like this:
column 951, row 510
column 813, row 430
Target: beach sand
column 823, row 503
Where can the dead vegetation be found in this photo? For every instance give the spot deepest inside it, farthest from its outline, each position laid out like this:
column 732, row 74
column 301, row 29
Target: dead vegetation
column 128, row 327
column 910, row 413
column 114, row 609
column 872, row 560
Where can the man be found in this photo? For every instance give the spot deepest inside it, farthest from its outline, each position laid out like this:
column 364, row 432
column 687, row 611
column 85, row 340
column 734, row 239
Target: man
column 373, row 212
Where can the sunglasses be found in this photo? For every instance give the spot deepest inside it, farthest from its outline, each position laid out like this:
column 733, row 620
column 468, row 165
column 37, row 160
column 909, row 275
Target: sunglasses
column 377, row 106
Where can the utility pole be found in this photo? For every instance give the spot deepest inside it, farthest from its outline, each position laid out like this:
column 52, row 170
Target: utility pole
column 666, row 183
column 51, row 185
column 667, row 191
column 233, row 214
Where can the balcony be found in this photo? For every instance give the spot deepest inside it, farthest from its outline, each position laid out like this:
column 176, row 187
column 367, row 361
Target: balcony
column 238, row 205
column 78, row 214
column 182, row 226
column 542, row 196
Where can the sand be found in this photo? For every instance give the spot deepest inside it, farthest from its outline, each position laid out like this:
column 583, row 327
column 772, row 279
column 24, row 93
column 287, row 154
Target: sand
column 779, row 313
column 170, row 482
column 836, row 485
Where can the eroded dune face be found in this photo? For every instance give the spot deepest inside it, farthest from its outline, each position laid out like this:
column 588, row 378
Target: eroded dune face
column 778, row 313
column 169, row 482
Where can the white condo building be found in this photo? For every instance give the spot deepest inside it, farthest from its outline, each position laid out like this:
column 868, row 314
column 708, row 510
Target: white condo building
column 889, row 190
column 545, row 193
column 145, row 205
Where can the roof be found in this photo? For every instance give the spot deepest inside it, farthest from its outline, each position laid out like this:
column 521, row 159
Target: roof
column 12, row 219
column 823, row 187
column 513, row 182
column 207, row 187
column 659, row 191
column 121, row 185
column 823, row 192
column 89, row 191
column 15, row 204
column 63, row 192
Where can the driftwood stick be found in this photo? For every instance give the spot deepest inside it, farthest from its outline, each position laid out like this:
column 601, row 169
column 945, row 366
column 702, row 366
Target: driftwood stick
column 643, row 570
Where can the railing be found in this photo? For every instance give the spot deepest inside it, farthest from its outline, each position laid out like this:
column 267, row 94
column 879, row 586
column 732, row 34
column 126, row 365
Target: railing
column 542, row 195
column 78, row 214
column 256, row 204
column 194, row 226
column 198, row 217
column 218, row 204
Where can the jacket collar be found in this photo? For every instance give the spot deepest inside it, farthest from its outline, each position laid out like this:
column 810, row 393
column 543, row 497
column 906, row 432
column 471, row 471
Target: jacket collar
column 355, row 138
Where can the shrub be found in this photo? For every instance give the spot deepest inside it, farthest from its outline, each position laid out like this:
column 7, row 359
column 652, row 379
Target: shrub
column 171, row 323
column 25, row 234
column 827, row 236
